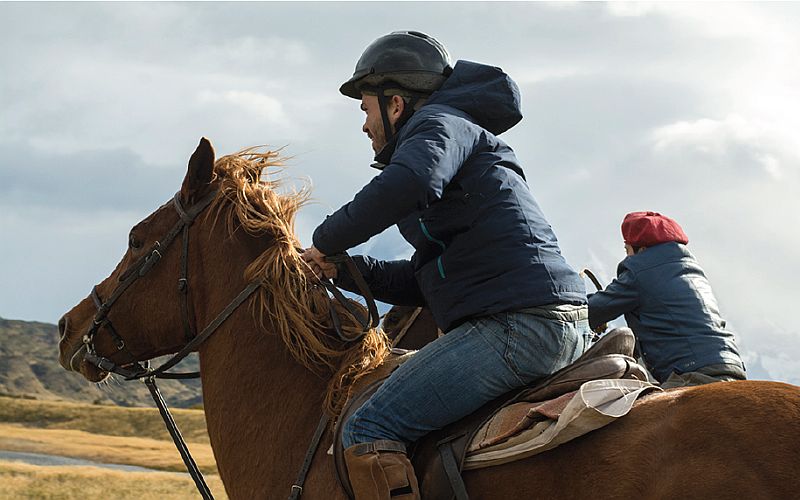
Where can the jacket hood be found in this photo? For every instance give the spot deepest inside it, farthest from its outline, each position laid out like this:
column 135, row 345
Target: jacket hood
column 484, row 92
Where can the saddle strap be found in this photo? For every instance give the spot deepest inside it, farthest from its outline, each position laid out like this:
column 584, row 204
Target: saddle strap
column 439, row 458
column 452, row 469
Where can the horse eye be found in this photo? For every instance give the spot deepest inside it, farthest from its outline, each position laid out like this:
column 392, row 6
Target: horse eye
column 133, row 242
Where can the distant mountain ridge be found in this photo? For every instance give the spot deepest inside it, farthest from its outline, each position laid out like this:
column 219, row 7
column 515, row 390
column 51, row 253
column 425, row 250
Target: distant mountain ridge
column 29, row 368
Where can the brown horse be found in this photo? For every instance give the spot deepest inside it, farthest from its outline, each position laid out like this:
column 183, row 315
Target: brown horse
column 267, row 370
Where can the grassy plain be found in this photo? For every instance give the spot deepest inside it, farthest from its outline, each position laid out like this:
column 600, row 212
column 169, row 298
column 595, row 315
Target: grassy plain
column 110, row 434
column 101, row 419
column 23, row 481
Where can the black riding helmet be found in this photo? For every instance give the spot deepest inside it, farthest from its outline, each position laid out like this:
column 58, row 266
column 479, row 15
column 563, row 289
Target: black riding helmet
column 406, row 63
column 410, row 60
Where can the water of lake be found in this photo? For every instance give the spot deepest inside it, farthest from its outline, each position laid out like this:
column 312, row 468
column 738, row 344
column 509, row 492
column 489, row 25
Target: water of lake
column 43, row 459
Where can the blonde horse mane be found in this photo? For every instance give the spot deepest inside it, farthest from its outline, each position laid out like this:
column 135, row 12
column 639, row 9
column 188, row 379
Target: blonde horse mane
column 297, row 307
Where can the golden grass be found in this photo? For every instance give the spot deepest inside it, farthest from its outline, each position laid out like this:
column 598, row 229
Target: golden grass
column 98, row 419
column 144, row 452
column 23, row 481
column 109, row 434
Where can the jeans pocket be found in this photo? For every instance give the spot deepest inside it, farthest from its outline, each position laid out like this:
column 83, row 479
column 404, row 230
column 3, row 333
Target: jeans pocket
column 494, row 329
column 539, row 346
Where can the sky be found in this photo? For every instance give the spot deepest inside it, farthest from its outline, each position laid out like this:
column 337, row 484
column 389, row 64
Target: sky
column 688, row 109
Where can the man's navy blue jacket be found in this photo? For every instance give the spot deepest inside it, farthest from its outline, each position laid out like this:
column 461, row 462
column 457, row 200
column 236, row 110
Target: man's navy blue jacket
column 459, row 197
column 669, row 305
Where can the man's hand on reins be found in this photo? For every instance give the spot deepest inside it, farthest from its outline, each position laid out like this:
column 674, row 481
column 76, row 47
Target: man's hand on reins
column 318, row 263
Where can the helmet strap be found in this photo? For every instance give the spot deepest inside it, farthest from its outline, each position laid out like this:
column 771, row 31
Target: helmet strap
column 387, row 127
column 408, row 110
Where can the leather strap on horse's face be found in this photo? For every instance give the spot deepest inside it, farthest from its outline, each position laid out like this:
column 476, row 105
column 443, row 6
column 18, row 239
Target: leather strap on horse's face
column 140, row 268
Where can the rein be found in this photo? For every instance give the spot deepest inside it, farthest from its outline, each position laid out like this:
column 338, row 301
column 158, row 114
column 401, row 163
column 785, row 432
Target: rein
column 134, row 370
column 589, row 274
column 596, row 282
column 373, row 317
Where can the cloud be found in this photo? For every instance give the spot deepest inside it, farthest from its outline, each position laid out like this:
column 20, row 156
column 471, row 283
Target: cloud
column 259, row 105
column 247, row 50
column 631, row 9
column 80, row 182
column 53, row 256
column 728, row 142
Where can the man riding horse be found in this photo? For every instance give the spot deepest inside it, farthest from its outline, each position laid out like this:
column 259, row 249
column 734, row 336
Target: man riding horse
column 486, row 261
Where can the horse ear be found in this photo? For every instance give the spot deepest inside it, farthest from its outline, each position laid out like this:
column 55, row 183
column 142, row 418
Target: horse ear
column 200, row 172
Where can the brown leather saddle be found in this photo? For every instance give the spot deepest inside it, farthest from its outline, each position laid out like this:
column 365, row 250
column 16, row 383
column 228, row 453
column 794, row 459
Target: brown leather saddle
column 439, row 457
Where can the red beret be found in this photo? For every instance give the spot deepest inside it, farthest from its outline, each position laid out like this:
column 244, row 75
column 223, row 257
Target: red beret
column 645, row 229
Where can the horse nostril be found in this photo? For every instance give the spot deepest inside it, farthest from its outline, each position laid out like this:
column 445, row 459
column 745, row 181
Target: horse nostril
column 62, row 326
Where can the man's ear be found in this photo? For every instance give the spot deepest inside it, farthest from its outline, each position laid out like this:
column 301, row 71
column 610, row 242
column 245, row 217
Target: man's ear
column 199, row 173
column 396, row 108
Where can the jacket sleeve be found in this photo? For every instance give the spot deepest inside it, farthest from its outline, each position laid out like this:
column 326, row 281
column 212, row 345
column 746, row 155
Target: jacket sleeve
column 391, row 281
column 619, row 297
column 428, row 156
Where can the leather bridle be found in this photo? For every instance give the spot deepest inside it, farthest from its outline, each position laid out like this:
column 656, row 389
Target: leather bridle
column 132, row 274
column 134, row 370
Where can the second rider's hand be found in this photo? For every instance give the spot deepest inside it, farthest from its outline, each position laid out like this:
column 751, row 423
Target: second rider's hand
column 318, row 263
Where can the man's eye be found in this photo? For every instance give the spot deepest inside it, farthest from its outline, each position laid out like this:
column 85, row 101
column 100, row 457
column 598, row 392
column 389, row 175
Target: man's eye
column 133, row 242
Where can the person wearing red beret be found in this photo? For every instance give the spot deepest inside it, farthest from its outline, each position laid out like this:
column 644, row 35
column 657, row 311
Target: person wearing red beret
column 668, row 303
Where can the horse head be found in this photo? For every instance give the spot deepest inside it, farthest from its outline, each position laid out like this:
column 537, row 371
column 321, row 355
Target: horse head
column 135, row 314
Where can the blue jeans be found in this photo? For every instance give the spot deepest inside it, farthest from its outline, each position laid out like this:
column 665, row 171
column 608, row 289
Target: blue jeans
column 458, row 373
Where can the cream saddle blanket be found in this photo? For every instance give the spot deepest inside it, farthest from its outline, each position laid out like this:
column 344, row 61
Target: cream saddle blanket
column 525, row 429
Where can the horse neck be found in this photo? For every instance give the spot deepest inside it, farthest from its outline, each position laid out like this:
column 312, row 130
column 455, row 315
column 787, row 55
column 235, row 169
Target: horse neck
column 261, row 406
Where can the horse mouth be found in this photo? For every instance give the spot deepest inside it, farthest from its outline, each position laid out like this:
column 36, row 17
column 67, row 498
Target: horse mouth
column 73, row 355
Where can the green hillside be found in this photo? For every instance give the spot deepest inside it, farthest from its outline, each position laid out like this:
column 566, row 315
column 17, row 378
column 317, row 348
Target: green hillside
column 29, row 368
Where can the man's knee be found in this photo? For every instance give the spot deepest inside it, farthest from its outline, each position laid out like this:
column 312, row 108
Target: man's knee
column 361, row 428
